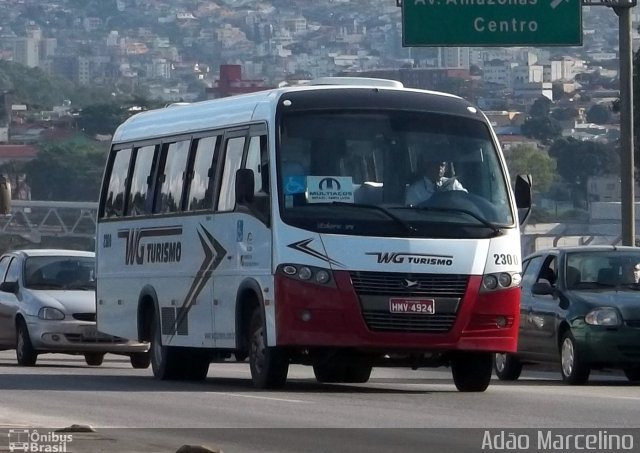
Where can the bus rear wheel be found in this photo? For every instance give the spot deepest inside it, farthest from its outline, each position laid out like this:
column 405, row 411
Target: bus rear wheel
column 471, row 370
column 269, row 365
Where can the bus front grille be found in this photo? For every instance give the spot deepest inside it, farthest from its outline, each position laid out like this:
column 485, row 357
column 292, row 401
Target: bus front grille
column 409, row 285
column 396, row 322
column 375, row 291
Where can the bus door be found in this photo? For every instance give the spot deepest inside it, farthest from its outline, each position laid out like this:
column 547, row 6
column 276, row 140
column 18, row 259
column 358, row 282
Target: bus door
column 243, row 231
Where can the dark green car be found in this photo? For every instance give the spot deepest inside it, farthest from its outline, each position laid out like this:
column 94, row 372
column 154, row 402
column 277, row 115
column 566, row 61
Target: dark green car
column 580, row 308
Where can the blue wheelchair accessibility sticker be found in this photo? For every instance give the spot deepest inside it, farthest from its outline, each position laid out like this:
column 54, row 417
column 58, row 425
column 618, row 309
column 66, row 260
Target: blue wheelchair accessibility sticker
column 294, row 184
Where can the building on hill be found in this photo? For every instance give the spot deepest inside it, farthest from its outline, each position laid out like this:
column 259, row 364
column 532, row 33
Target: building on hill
column 231, row 83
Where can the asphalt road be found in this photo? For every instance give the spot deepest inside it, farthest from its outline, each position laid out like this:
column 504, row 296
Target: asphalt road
column 398, row 410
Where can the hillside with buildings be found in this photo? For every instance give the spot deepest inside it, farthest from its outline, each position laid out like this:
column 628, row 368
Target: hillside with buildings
column 189, row 50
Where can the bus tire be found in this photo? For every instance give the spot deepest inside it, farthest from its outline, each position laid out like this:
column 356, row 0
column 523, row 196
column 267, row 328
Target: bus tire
column 140, row 360
column 269, row 365
column 352, row 369
column 471, row 370
column 197, row 363
column 166, row 362
column 94, row 358
column 507, row 366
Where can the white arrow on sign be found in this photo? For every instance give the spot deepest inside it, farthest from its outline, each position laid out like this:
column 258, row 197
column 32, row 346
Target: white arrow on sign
column 556, row 3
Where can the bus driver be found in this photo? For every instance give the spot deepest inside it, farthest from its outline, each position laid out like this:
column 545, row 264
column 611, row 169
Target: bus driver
column 432, row 180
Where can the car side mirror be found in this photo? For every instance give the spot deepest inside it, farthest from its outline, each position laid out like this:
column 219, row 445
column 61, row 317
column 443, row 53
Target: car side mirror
column 523, row 197
column 542, row 289
column 245, row 186
column 9, row 287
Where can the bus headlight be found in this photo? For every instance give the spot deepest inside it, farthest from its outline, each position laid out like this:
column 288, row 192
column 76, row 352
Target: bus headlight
column 322, row 276
column 500, row 280
column 310, row 274
column 304, row 273
column 490, row 281
column 504, row 279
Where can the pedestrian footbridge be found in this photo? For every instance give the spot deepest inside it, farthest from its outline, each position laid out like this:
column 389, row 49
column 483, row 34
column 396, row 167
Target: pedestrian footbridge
column 36, row 220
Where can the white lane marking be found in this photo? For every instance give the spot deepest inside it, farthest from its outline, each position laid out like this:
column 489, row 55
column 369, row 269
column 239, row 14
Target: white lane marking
column 269, row 398
column 565, row 390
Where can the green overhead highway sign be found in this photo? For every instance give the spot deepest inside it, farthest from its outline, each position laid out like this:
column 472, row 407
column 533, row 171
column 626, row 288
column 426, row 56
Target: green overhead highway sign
column 491, row 23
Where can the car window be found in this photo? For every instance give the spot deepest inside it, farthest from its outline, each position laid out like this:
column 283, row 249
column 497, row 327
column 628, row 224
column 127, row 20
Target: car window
column 602, row 269
column 13, row 273
column 531, row 271
column 548, row 272
column 60, row 272
column 4, row 263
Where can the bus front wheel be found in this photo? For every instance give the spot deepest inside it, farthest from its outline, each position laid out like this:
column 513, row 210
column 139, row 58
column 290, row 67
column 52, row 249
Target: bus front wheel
column 269, row 365
column 165, row 360
column 471, row 370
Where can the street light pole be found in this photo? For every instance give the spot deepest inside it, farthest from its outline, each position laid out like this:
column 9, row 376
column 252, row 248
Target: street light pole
column 627, row 167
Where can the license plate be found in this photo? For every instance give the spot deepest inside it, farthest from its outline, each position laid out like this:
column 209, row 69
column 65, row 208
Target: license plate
column 413, row 306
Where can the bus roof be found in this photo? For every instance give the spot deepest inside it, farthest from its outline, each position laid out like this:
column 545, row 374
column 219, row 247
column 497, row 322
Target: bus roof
column 185, row 118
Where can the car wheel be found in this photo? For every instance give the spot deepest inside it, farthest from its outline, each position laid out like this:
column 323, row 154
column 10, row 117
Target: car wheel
column 574, row 370
column 269, row 365
column 94, row 358
column 140, row 360
column 25, row 352
column 471, row 370
column 633, row 373
column 507, row 366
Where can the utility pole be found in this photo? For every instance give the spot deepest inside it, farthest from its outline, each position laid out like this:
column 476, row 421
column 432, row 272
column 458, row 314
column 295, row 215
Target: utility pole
column 627, row 167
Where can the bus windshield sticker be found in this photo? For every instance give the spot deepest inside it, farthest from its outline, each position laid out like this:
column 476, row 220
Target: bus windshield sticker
column 324, row 189
column 294, row 184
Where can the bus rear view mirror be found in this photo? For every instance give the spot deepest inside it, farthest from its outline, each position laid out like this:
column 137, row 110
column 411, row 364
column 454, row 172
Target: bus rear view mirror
column 244, row 186
column 523, row 196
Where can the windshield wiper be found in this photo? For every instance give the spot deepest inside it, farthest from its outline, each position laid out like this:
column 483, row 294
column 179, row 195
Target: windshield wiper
column 496, row 229
column 388, row 213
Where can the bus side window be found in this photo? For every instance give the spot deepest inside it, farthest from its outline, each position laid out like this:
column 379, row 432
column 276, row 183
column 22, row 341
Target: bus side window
column 114, row 199
column 258, row 161
column 172, row 177
column 140, row 195
column 200, row 195
column 232, row 162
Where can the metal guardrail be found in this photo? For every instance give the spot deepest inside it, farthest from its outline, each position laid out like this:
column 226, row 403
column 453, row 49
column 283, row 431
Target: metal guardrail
column 33, row 220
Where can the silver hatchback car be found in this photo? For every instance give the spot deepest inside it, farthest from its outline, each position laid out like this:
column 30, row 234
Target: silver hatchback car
column 48, row 304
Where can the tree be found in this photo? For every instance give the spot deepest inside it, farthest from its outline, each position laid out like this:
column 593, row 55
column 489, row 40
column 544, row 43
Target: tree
column 540, row 107
column 541, row 128
column 528, row 159
column 577, row 161
column 101, row 119
column 564, row 113
column 70, row 171
column 599, row 114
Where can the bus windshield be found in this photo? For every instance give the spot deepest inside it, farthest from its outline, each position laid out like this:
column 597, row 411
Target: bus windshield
column 391, row 173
